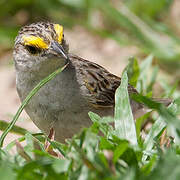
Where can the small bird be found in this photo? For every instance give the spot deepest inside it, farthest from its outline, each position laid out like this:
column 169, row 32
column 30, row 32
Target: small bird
column 64, row 102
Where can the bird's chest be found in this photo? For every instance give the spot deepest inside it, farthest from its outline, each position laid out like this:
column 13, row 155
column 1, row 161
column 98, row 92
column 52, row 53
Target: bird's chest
column 59, row 100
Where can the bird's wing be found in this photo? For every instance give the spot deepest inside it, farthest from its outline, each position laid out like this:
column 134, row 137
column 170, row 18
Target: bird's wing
column 100, row 84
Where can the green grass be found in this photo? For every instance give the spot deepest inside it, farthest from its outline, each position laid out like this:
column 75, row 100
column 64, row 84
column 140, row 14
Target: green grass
column 121, row 153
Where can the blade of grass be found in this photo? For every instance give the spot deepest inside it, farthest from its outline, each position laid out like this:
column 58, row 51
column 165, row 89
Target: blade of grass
column 124, row 121
column 15, row 129
column 156, row 129
column 133, row 71
column 139, row 123
column 153, row 79
column 27, row 99
column 143, row 77
column 21, row 139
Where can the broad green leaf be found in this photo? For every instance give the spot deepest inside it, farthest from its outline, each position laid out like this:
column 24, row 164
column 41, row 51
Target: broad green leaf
column 124, row 121
column 105, row 144
column 120, row 149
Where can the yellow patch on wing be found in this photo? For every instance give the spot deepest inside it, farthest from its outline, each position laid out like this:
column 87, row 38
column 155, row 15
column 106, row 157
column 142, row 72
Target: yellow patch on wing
column 88, row 86
column 35, row 41
column 59, row 32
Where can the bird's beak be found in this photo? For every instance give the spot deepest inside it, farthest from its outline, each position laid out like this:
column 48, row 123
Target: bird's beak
column 55, row 46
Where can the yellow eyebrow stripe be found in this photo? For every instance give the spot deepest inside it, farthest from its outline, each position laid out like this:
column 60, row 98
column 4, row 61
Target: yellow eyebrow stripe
column 35, row 41
column 59, row 32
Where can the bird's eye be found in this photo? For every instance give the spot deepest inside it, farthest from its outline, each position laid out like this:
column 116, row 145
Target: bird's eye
column 33, row 49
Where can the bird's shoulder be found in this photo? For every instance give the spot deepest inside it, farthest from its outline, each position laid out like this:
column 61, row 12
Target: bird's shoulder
column 99, row 84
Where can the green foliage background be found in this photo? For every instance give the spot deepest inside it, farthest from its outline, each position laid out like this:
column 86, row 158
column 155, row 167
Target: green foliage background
column 147, row 24
column 122, row 153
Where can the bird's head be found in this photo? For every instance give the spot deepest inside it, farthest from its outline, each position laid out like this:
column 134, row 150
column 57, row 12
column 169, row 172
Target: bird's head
column 40, row 45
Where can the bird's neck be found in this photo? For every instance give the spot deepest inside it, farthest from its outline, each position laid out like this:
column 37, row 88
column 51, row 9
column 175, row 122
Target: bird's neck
column 27, row 80
column 47, row 68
